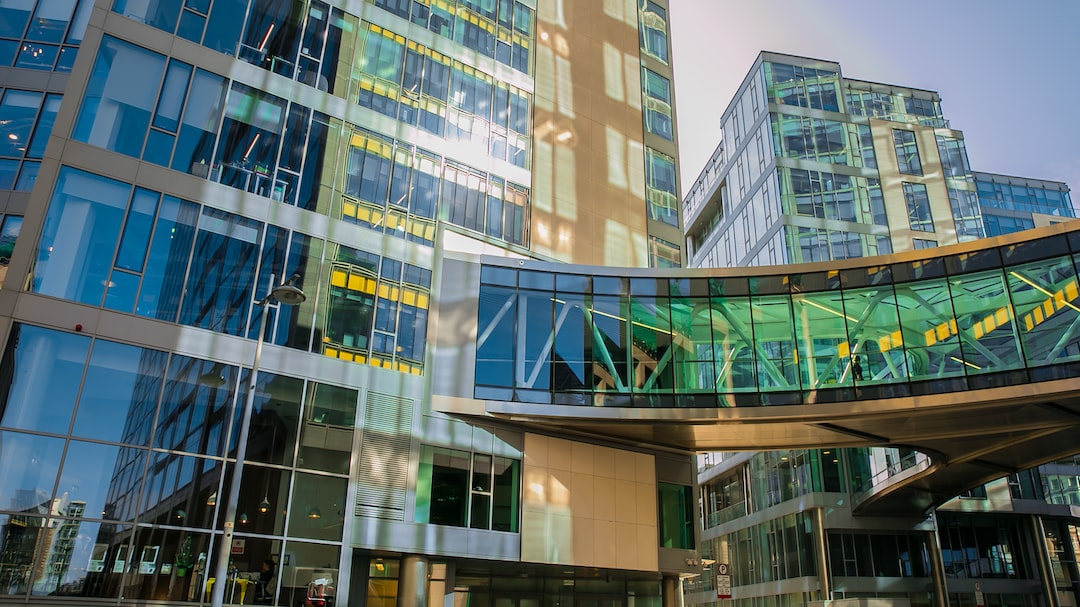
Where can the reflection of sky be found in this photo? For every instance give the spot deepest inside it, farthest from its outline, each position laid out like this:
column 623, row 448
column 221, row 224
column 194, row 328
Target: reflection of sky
column 38, row 458
column 994, row 91
column 87, row 470
column 105, row 406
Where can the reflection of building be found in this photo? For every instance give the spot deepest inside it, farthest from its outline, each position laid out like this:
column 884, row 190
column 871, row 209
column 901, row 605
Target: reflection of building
column 817, row 167
column 354, row 145
column 61, row 538
column 20, row 534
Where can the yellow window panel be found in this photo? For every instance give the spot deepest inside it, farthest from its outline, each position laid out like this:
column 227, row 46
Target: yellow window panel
column 1028, row 325
column 931, row 337
column 897, row 338
column 331, row 352
column 977, row 330
column 356, row 282
column 338, row 278
column 348, row 209
column 1038, row 314
column 843, row 349
column 1048, row 308
column 422, row 301
column 408, row 297
column 952, row 327
column 1071, row 291
column 1003, row 317
column 942, row 332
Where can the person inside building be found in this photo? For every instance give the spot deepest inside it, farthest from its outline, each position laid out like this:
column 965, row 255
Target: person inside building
column 264, row 588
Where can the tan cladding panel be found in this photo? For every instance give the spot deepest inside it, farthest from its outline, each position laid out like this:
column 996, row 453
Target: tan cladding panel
column 892, row 185
column 588, row 157
column 588, row 506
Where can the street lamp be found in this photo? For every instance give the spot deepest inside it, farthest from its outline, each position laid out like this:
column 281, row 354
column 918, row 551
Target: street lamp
column 289, row 295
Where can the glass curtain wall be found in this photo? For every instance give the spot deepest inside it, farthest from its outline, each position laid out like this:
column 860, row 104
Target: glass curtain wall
column 128, row 451
column 992, row 317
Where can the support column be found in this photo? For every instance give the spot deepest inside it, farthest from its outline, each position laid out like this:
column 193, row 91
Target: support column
column 413, row 582
column 672, row 591
column 1042, row 561
column 937, row 569
column 821, row 553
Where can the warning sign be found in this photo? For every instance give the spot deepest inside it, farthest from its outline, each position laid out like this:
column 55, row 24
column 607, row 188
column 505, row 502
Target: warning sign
column 238, row 546
column 723, row 581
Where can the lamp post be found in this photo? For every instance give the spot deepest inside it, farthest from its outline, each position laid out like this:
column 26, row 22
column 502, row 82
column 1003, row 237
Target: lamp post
column 289, row 295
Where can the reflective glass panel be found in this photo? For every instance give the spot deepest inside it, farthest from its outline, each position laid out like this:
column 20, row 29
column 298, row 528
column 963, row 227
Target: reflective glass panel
column 874, row 336
column 80, row 235
column 197, row 396
column 157, row 551
column 984, row 320
column 1044, row 295
column 86, row 483
column 120, row 393
column 821, row 330
column 327, row 435
column 318, row 507
column 929, row 330
column 118, row 103
column 178, row 490
column 43, row 369
column 774, row 336
column 28, row 487
column 77, row 558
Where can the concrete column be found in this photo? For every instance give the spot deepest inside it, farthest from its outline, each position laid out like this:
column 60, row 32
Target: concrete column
column 413, row 582
column 1042, row 561
column 672, row 591
column 937, row 569
column 821, row 553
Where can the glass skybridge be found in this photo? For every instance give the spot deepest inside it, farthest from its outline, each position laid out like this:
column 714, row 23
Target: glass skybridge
column 975, row 316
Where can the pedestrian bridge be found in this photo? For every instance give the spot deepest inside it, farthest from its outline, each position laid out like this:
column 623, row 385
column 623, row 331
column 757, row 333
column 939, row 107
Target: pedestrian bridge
column 969, row 354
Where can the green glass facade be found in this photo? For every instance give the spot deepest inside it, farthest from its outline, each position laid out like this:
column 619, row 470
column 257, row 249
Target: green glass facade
column 988, row 318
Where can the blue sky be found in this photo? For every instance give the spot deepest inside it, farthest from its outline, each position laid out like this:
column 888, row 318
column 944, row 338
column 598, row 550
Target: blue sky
column 1006, row 71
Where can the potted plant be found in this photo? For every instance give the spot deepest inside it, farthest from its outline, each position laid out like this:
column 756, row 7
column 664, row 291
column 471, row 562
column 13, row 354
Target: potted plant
column 184, row 560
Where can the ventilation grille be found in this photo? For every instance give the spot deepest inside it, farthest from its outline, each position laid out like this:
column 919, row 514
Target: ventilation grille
column 384, row 457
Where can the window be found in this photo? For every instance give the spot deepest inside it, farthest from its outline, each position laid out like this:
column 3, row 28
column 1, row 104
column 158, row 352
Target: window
column 966, row 213
column 676, row 516
column 920, row 243
column 653, row 29
column 918, row 207
column 464, row 489
column 660, row 185
column 907, row 152
column 663, row 254
column 657, row 91
column 954, row 158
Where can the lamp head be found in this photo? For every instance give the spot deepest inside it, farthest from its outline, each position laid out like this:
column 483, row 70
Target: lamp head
column 288, row 295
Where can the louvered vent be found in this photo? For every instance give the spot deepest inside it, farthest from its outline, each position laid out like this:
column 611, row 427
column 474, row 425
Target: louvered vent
column 384, row 457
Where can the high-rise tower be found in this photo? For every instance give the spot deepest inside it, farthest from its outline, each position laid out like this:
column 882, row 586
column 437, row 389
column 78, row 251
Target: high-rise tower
column 169, row 163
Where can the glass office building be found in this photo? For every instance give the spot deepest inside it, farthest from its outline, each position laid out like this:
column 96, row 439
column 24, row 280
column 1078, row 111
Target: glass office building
column 814, row 166
column 164, row 164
